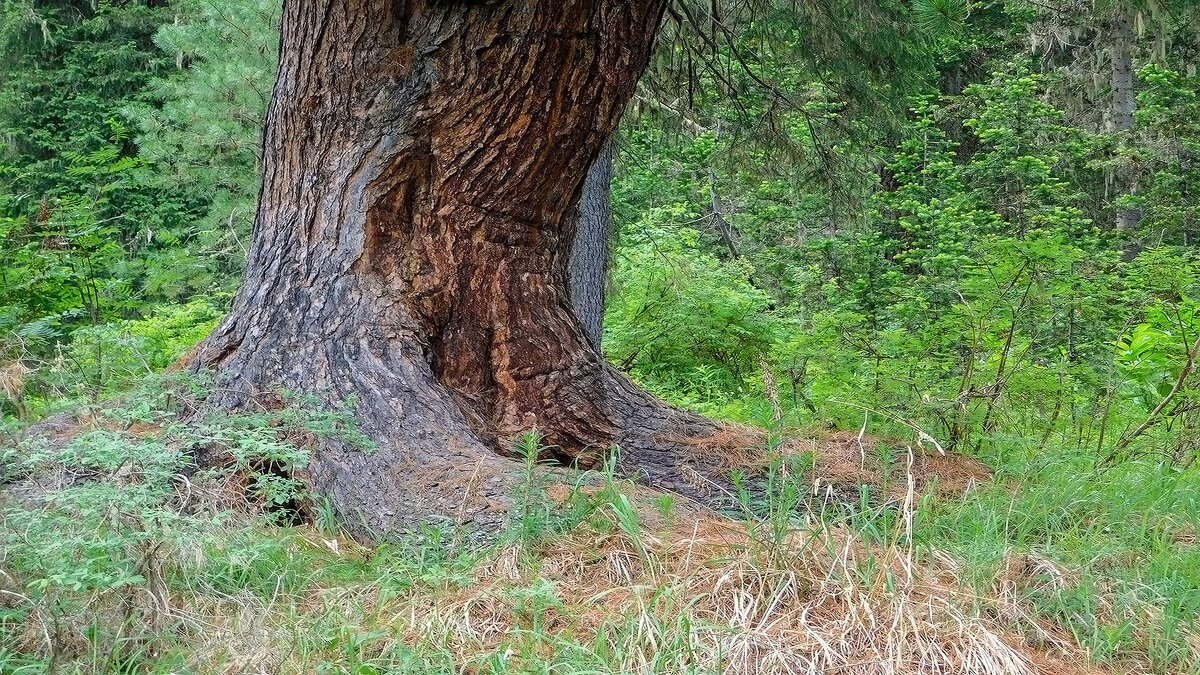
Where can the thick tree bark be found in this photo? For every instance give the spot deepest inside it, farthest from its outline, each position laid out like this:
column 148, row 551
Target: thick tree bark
column 591, row 219
column 411, row 247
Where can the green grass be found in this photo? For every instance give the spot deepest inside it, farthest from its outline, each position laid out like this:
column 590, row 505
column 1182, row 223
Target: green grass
column 122, row 565
column 1124, row 538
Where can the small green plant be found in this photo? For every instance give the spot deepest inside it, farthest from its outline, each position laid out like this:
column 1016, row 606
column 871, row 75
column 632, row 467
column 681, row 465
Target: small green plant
column 325, row 517
column 116, row 518
column 665, row 504
column 532, row 507
column 100, row 541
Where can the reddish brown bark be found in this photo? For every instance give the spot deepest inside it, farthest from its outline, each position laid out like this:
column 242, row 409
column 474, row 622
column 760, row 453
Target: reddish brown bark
column 410, row 246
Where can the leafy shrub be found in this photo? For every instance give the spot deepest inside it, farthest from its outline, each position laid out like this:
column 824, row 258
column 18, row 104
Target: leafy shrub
column 682, row 321
column 115, row 356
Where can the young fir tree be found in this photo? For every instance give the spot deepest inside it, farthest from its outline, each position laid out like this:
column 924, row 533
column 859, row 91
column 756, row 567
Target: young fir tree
column 201, row 132
column 68, row 68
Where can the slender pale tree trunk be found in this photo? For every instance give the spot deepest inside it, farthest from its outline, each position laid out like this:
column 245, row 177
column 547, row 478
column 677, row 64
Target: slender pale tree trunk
column 1124, row 96
column 591, row 219
column 1124, row 101
column 411, row 246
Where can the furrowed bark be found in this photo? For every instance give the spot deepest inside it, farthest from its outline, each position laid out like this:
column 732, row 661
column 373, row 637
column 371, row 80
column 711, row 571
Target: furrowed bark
column 412, row 242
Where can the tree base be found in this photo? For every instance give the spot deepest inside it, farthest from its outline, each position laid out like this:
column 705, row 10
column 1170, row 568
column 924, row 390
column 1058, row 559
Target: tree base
column 420, row 160
column 438, row 456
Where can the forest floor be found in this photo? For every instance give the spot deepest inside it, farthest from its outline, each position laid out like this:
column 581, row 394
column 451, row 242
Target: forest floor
column 118, row 558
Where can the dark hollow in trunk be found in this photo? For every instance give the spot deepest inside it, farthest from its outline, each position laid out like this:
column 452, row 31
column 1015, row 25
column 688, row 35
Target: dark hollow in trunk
column 411, row 249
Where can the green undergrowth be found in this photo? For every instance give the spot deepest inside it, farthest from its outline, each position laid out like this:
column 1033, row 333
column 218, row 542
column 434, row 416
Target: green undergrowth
column 118, row 555
column 1113, row 550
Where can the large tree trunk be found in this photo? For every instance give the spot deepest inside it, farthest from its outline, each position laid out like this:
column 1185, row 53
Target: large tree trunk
column 591, row 219
column 411, row 246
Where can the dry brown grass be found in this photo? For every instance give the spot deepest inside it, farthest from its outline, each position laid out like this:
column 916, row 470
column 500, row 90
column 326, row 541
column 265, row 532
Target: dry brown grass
column 700, row 595
column 694, row 592
column 845, row 460
column 12, row 380
column 728, row 445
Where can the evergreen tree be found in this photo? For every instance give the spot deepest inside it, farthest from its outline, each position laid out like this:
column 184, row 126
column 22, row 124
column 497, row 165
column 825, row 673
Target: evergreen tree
column 67, row 69
column 200, row 133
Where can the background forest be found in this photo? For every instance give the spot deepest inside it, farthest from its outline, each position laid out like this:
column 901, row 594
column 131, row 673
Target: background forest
column 968, row 226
